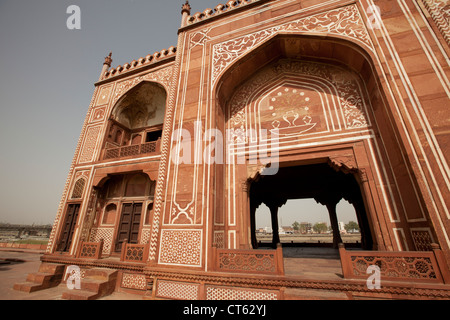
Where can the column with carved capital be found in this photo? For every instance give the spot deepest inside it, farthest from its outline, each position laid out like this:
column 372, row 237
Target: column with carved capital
column 330, row 200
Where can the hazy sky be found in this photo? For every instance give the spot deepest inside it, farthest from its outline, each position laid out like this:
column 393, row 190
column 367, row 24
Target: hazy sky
column 47, row 76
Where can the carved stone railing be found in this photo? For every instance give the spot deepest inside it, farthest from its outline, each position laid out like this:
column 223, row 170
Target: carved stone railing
column 249, row 261
column 90, row 250
column 133, row 150
column 415, row 266
column 134, row 252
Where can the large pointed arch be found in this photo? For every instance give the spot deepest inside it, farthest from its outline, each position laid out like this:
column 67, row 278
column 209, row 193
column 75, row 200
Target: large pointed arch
column 377, row 155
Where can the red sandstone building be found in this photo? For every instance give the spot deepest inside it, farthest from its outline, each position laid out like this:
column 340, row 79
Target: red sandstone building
column 354, row 104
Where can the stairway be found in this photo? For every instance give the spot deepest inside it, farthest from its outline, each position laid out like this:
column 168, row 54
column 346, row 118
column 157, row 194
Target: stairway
column 96, row 283
column 49, row 275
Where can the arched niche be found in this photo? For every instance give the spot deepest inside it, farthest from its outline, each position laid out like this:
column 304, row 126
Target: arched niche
column 332, row 50
column 109, row 217
column 136, row 120
column 127, row 185
column 141, row 107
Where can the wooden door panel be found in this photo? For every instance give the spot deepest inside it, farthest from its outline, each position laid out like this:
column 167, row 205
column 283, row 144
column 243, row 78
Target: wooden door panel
column 69, row 227
column 129, row 224
column 124, row 225
column 136, row 223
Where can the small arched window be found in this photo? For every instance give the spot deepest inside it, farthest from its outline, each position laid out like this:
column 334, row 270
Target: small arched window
column 110, row 214
column 148, row 213
column 78, row 189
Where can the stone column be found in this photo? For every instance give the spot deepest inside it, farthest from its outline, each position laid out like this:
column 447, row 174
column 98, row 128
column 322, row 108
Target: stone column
column 274, row 216
column 331, row 206
column 253, row 225
column 330, row 199
column 364, row 227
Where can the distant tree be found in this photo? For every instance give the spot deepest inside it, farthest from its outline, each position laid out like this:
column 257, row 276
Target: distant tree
column 296, row 226
column 320, row 227
column 352, row 225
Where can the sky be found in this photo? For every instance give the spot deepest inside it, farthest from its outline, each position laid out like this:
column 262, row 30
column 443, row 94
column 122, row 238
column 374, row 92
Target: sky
column 47, row 76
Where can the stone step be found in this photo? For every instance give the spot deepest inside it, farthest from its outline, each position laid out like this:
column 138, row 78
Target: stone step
column 49, row 275
column 53, row 268
column 80, row 295
column 100, row 274
column 95, row 284
column 28, row 287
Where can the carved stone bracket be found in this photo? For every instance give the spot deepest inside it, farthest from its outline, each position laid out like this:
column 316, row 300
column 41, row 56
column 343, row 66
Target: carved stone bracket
column 254, row 172
column 363, row 175
column 344, row 163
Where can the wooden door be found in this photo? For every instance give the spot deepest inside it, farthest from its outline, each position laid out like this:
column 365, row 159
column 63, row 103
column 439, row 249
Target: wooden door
column 129, row 225
column 69, row 227
column 135, row 223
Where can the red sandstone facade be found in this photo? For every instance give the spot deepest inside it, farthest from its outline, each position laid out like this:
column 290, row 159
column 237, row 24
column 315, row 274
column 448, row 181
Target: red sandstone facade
column 358, row 103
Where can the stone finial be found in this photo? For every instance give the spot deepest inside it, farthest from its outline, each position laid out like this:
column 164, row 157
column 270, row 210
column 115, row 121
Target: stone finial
column 186, row 8
column 108, row 60
column 106, row 66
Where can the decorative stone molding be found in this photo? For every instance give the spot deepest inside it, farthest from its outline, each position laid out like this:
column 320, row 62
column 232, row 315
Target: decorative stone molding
column 271, row 282
column 181, row 247
column 89, row 217
column 440, row 13
column 165, row 156
column 133, row 281
column 90, row 142
column 145, row 235
column 106, row 234
column 223, row 293
column 342, row 81
column 182, row 215
column 345, row 22
column 422, row 238
column 219, row 239
column 98, row 114
column 177, row 290
column 198, row 38
column 162, row 76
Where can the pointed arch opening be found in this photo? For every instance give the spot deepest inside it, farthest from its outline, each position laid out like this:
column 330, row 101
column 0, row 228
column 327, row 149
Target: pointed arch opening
column 324, row 95
column 136, row 122
column 310, row 195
